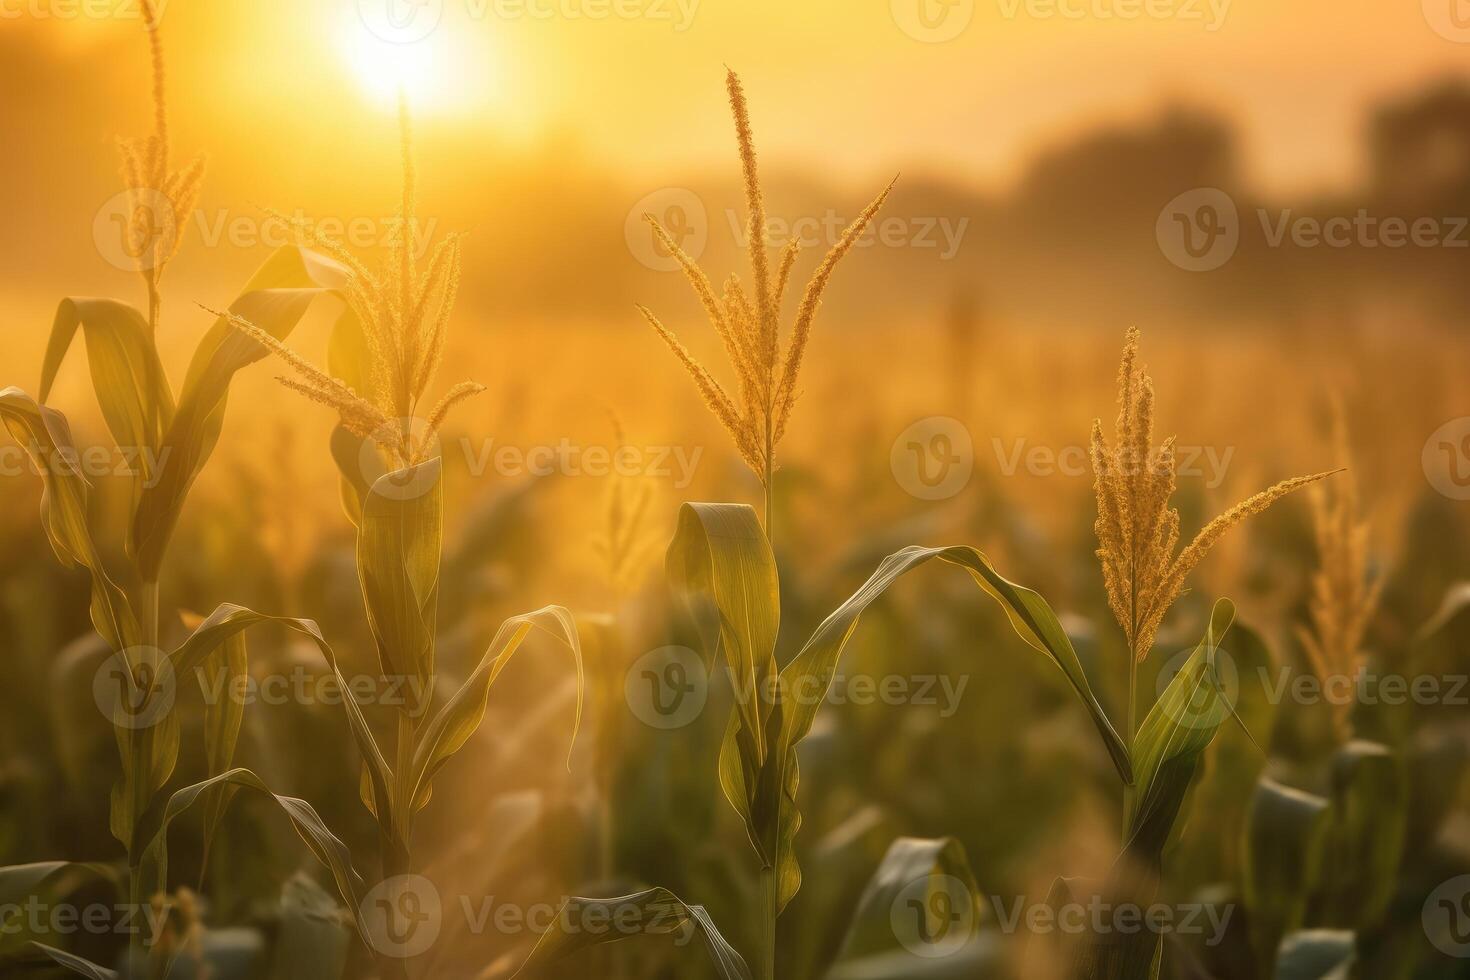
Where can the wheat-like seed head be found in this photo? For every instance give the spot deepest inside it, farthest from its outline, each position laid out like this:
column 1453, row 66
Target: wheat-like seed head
column 1137, row 530
column 404, row 315
column 159, row 201
column 749, row 328
column 1344, row 596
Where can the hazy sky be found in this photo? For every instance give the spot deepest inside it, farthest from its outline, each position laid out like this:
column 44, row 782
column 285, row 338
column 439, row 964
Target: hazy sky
column 852, row 86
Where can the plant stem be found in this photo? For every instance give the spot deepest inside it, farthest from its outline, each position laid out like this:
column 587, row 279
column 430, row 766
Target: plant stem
column 765, row 957
column 1128, row 735
column 148, row 599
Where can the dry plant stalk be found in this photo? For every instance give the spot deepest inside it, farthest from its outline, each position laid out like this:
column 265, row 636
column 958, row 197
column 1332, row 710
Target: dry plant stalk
column 159, row 201
column 749, row 326
column 1137, row 529
column 1344, row 596
column 404, row 313
column 625, row 541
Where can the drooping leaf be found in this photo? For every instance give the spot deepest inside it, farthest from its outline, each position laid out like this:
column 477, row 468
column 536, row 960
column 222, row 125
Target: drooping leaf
column 275, row 299
column 70, row 961
column 1286, row 838
column 42, row 882
column 918, row 917
column 462, row 714
column 46, row 437
column 585, row 923
column 127, row 374
column 224, row 712
column 324, row 845
column 399, row 544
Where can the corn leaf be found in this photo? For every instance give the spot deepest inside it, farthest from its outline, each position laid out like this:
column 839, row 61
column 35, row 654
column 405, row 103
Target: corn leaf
column 127, row 375
column 1370, row 813
column 323, row 844
column 911, row 904
column 655, row 912
column 42, row 881
column 147, row 731
column 70, row 961
column 399, row 544
column 223, row 715
column 1286, row 839
column 46, row 437
column 313, row 940
column 1316, row 954
column 275, row 299
column 229, row 619
column 462, row 714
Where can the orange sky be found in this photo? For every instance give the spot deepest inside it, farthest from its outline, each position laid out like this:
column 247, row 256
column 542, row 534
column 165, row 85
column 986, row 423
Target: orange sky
column 839, row 84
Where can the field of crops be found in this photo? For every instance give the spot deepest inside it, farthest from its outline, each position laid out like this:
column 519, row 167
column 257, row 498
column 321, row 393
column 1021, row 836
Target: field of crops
column 617, row 579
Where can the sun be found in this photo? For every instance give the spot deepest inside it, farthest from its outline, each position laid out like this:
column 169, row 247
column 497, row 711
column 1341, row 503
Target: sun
column 443, row 71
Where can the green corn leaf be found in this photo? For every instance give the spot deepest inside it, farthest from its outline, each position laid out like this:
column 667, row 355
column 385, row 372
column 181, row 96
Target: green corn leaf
column 1167, row 753
column 71, row 962
column 275, row 299
column 147, row 731
column 43, row 881
column 46, row 437
column 916, row 918
column 324, row 845
column 228, row 620
column 349, row 359
column 1316, row 954
column 223, row 716
column 399, row 544
column 462, row 714
column 127, row 375
column 655, row 912
column 1286, row 839
column 1370, row 811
